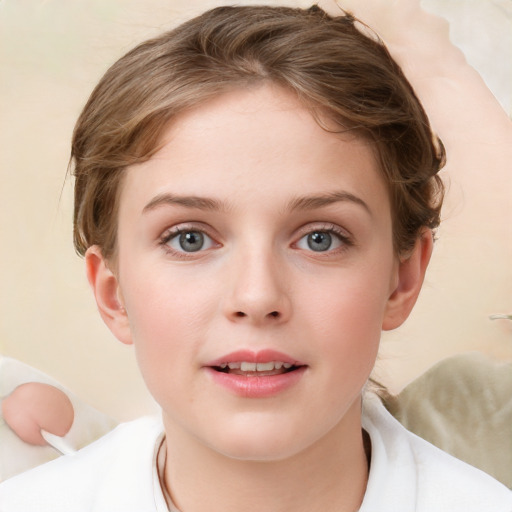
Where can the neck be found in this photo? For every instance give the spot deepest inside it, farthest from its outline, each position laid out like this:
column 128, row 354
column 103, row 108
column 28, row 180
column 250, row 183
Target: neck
column 330, row 475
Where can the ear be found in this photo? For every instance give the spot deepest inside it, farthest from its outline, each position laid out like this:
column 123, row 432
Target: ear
column 107, row 293
column 410, row 274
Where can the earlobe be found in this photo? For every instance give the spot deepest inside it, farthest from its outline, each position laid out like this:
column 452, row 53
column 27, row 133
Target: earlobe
column 107, row 293
column 411, row 273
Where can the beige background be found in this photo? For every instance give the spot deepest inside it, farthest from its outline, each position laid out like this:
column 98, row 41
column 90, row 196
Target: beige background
column 53, row 52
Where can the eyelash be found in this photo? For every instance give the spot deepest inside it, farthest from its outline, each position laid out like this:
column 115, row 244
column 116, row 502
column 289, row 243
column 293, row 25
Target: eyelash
column 175, row 232
column 342, row 236
column 345, row 239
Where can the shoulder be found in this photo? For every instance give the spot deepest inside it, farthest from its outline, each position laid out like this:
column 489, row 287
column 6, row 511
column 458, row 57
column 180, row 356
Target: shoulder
column 93, row 476
column 408, row 473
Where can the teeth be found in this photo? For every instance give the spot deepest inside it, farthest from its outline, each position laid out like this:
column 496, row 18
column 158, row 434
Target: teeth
column 265, row 367
column 246, row 366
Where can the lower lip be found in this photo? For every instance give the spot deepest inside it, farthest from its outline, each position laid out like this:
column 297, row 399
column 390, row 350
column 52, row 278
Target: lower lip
column 257, row 387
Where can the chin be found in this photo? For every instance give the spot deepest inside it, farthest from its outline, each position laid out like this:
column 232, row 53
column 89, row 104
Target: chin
column 257, row 451
column 260, row 442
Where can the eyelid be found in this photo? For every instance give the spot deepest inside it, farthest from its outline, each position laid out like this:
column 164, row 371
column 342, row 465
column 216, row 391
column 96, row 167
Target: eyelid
column 324, row 226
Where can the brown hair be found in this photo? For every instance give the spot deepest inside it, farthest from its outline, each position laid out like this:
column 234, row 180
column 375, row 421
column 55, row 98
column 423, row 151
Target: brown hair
column 334, row 69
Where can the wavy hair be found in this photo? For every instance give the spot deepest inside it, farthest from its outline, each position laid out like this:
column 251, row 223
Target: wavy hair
column 343, row 75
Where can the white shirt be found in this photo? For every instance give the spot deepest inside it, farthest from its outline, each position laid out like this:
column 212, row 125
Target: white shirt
column 409, row 474
column 118, row 473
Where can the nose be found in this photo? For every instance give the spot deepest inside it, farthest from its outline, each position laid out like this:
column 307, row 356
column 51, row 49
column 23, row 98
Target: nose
column 259, row 291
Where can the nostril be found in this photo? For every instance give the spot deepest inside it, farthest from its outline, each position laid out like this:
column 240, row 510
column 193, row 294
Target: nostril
column 272, row 314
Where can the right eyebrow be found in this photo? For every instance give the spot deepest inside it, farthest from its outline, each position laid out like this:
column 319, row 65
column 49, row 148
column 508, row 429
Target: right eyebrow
column 319, row 201
column 200, row 203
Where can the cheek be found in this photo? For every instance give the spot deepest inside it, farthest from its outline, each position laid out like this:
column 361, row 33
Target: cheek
column 350, row 331
column 345, row 318
column 349, row 300
column 168, row 318
column 161, row 303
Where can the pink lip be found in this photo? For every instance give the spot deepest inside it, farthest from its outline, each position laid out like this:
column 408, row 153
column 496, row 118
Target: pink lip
column 255, row 386
column 262, row 356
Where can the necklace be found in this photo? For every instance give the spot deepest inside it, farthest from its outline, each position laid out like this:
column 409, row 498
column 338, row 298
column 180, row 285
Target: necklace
column 161, row 460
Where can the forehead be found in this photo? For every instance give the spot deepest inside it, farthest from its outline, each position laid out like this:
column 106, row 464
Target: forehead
column 254, row 143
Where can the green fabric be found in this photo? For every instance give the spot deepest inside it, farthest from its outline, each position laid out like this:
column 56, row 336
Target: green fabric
column 463, row 405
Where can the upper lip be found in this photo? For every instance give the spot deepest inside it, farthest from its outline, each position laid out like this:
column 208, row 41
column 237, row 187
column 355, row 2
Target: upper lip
column 249, row 356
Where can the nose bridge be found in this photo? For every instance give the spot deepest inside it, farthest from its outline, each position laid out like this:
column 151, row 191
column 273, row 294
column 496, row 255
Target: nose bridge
column 259, row 289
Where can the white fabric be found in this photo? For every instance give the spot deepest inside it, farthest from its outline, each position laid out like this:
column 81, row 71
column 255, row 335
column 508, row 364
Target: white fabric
column 118, row 473
column 409, row 474
column 17, row 456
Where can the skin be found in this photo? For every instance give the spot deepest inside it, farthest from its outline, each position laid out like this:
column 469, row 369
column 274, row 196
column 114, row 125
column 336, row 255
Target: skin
column 34, row 406
column 254, row 155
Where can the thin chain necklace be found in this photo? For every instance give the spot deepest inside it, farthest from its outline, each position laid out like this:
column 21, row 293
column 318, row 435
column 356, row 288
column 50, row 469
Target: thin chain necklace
column 161, row 460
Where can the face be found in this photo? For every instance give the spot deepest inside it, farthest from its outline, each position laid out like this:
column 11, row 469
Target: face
column 255, row 265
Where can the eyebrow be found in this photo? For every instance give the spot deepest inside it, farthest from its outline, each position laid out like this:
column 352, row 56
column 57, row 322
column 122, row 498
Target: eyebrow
column 319, row 201
column 200, row 203
column 298, row 203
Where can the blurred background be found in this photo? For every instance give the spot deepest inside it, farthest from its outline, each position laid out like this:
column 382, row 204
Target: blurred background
column 53, row 52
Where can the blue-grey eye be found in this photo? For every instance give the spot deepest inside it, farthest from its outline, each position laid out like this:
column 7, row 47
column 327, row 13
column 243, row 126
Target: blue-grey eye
column 190, row 241
column 320, row 241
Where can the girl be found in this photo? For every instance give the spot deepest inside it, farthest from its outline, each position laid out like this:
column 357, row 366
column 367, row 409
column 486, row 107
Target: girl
column 255, row 197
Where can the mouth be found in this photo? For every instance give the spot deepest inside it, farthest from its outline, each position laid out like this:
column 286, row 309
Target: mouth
column 259, row 374
column 252, row 369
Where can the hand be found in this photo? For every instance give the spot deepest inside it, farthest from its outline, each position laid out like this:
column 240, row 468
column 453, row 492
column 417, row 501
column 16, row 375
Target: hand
column 34, row 406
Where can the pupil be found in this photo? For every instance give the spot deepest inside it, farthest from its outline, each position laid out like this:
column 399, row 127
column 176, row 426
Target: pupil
column 191, row 241
column 319, row 241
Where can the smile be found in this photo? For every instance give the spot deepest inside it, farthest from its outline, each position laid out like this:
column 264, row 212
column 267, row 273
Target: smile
column 256, row 375
column 251, row 369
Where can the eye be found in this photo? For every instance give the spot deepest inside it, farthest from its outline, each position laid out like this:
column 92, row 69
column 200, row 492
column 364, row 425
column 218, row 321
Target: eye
column 322, row 241
column 188, row 241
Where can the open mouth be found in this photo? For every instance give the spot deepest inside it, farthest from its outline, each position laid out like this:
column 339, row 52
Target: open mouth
column 261, row 374
column 251, row 369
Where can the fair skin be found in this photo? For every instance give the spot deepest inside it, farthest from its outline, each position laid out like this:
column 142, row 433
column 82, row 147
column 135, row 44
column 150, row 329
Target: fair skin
column 255, row 230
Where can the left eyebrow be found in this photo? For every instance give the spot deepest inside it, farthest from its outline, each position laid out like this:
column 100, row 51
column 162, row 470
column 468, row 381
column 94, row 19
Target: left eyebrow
column 312, row 202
